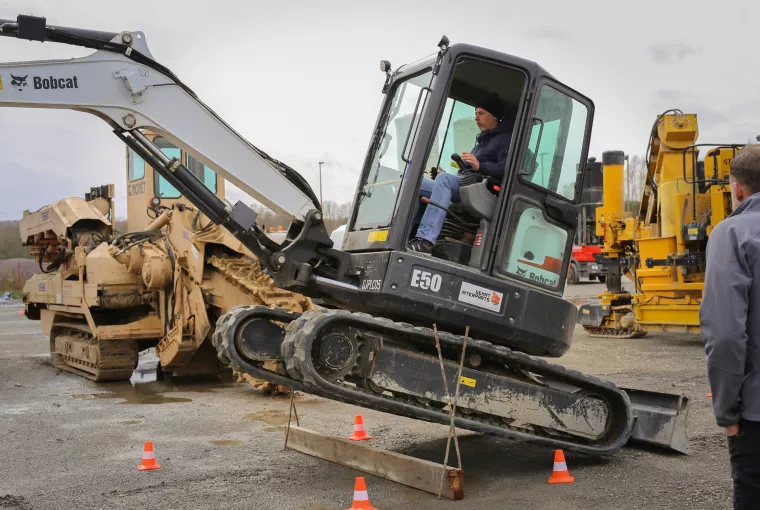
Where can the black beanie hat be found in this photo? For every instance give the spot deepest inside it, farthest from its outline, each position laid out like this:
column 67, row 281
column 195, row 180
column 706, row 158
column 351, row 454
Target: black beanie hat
column 492, row 105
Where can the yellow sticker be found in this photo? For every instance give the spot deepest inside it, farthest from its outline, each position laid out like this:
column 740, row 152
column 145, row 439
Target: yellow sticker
column 467, row 381
column 586, row 311
column 378, row 236
column 1, row 83
column 693, row 231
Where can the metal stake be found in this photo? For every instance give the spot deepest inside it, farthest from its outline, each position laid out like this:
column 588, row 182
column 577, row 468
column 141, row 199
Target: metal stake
column 291, row 410
column 456, row 392
column 452, row 407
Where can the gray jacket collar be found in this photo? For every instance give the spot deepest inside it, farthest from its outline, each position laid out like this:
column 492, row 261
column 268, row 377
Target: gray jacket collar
column 750, row 204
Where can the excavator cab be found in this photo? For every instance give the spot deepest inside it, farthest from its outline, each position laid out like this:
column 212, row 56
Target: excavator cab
column 519, row 228
column 499, row 264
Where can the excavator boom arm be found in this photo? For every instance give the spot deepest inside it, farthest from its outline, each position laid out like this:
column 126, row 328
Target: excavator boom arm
column 129, row 93
column 122, row 84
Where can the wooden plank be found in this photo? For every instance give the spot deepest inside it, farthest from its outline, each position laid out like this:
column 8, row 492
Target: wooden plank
column 420, row 474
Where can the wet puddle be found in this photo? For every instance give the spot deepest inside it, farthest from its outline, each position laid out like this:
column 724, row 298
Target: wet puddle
column 227, row 442
column 152, row 393
column 270, row 417
column 146, row 387
column 148, row 374
column 131, row 397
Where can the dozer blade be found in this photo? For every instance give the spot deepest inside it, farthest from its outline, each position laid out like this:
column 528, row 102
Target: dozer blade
column 660, row 419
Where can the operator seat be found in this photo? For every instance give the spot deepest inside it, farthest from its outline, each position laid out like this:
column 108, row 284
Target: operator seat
column 479, row 199
column 464, row 231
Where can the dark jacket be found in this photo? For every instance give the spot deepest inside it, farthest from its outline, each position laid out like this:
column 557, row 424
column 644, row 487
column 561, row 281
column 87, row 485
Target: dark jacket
column 491, row 149
column 729, row 315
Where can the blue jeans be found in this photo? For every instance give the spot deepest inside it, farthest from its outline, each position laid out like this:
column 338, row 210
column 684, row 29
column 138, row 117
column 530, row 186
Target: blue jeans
column 442, row 191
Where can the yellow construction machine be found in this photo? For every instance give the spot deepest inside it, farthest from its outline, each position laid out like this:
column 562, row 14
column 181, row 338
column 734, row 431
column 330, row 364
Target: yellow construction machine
column 104, row 296
column 662, row 248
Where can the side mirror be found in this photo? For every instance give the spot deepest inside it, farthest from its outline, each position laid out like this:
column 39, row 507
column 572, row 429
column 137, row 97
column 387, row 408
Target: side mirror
column 385, row 67
column 443, row 44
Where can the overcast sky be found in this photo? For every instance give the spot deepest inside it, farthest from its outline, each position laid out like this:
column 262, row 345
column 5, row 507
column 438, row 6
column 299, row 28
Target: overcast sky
column 300, row 79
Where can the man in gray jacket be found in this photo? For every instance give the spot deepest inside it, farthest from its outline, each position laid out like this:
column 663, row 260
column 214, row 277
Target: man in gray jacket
column 730, row 322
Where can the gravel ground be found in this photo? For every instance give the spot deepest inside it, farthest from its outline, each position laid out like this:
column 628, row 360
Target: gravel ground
column 70, row 443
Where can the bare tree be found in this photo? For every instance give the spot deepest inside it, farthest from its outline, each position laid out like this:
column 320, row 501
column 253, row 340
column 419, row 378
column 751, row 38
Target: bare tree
column 635, row 173
column 335, row 214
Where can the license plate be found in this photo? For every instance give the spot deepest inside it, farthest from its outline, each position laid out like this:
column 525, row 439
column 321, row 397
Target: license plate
column 594, row 267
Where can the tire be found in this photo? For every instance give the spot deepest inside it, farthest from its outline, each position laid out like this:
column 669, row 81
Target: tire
column 592, row 277
column 573, row 276
column 602, row 278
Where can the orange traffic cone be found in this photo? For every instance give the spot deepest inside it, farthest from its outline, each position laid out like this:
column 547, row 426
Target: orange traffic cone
column 361, row 499
column 148, row 458
column 21, row 312
column 359, row 433
column 560, row 474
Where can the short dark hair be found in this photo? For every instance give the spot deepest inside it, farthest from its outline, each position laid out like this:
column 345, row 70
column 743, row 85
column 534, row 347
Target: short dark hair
column 745, row 168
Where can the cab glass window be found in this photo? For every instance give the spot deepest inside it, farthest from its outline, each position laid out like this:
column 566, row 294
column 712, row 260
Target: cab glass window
column 536, row 247
column 556, row 142
column 202, row 172
column 162, row 186
column 136, row 166
column 456, row 134
column 377, row 198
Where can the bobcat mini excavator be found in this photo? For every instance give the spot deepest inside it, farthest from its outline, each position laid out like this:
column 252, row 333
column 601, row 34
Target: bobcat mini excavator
column 499, row 265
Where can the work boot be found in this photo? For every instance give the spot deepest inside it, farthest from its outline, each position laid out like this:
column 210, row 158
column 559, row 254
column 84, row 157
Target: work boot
column 420, row 245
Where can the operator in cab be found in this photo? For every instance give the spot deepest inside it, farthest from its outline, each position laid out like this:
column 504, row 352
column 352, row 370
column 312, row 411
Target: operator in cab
column 488, row 158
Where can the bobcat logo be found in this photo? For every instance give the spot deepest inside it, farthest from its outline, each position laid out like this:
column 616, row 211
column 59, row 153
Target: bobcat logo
column 521, row 271
column 19, row 81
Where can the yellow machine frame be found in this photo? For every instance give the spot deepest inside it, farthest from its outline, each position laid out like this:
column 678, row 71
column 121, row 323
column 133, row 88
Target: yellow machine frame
column 662, row 249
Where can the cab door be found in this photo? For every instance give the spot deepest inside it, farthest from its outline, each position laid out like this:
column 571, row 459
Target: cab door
column 539, row 219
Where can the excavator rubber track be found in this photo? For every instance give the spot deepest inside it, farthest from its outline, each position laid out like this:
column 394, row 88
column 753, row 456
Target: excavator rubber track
column 248, row 275
column 79, row 353
column 602, row 332
column 597, row 320
column 542, row 397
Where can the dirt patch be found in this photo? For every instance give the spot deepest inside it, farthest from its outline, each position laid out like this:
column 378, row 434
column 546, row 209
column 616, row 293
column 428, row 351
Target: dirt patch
column 134, row 398
column 18, row 502
column 270, row 417
column 227, row 442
